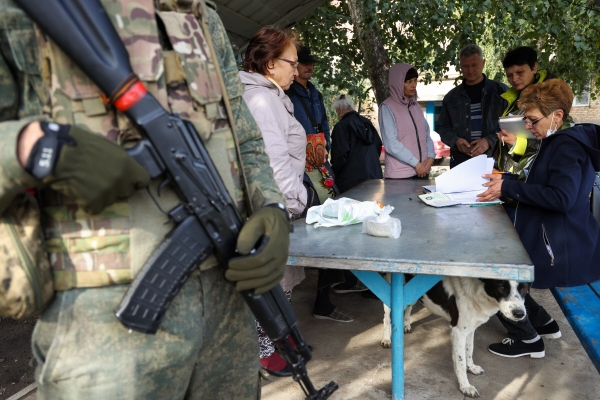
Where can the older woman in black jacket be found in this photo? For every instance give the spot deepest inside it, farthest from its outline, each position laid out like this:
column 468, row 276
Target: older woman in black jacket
column 553, row 215
column 355, row 147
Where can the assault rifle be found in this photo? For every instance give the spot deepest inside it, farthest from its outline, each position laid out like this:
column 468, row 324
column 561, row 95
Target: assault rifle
column 206, row 221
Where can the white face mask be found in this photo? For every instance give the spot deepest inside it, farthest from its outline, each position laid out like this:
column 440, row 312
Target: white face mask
column 551, row 131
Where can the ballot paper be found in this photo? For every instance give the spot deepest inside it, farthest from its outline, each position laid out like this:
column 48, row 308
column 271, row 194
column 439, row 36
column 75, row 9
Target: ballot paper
column 466, row 176
column 461, row 184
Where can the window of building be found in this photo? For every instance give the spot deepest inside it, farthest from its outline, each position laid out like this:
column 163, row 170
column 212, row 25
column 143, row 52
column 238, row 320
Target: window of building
column 583, row 99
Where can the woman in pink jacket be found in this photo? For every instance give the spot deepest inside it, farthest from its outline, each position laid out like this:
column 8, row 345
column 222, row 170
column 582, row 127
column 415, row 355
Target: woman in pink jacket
column 404, row 130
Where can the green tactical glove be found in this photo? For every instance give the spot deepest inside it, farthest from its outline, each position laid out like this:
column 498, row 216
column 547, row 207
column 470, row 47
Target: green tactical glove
column 263, row 268
column 85, row 167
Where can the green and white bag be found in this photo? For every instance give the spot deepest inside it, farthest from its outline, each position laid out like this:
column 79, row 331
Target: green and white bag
column 25, row 274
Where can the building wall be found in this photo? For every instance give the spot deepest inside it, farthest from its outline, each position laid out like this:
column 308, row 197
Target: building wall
column 589, row 113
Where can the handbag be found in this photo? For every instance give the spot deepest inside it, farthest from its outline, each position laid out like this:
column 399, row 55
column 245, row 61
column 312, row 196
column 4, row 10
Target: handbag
column 312, row 198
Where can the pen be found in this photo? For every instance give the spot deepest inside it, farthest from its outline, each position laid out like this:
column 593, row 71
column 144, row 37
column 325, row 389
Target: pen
column 494, row 172
column 483, row 205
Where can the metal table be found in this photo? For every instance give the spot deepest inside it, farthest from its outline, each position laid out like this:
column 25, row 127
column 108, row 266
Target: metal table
column 456, row 241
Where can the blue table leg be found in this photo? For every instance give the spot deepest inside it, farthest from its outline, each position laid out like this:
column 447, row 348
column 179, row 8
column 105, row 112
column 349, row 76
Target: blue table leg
column 397, row 336
column 397, row 296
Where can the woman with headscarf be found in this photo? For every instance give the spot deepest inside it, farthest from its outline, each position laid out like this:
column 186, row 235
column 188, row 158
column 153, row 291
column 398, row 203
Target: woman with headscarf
column 405, row 132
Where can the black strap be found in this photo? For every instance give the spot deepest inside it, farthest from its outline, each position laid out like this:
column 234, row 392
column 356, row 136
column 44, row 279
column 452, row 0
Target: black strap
column 309, row 113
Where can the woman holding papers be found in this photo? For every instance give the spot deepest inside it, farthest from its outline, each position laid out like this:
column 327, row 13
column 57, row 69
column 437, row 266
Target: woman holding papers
column 404, row 130
column 553, row 216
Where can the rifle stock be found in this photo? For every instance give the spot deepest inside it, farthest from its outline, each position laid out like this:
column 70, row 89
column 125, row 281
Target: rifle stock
column 207, row 217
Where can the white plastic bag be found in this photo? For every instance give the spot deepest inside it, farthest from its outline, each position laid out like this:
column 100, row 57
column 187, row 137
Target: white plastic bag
column 342, row 211
column 383, row 225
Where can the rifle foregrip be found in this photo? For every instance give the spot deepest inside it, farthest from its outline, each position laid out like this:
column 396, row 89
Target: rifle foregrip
column 163, row 275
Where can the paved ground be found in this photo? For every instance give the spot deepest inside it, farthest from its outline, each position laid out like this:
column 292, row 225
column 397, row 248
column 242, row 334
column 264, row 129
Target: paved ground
column 351, row 355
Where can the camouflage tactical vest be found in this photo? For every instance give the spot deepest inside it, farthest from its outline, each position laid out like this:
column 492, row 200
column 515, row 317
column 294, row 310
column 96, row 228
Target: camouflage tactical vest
column 169, row 52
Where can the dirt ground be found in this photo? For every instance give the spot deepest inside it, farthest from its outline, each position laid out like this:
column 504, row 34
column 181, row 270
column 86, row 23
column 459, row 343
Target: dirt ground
column 16, row 360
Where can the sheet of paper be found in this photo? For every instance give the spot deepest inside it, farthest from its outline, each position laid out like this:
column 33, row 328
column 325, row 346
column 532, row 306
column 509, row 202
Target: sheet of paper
column 466, row 176
column 469, row 198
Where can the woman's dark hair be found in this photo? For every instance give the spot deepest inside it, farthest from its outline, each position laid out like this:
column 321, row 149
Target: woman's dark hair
column 412, row 73
column 520, row 56
column 267, row 44
column 548, row 96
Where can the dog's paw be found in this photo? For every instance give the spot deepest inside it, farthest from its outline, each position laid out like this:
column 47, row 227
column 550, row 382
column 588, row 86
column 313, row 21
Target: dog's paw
column 386, row 343
column 475, row 369
column 407, row 328
column 470, row 391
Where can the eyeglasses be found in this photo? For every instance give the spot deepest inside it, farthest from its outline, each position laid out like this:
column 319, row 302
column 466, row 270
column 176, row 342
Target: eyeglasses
column 531, row 123
column 292, row 63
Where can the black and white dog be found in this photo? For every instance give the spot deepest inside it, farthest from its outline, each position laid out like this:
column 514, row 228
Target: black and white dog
column 467, row 303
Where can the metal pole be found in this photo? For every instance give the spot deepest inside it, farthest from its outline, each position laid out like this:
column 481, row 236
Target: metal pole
column 397, row 336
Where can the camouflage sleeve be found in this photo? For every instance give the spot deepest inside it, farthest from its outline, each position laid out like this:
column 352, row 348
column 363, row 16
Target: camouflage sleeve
column 262, row 187
column 9, row 100
column 13, row 28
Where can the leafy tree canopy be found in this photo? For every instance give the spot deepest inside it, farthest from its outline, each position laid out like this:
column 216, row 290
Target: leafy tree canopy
column 429, row 34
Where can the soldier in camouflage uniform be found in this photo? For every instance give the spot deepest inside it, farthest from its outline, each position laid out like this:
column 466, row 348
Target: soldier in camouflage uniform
column 206, row 346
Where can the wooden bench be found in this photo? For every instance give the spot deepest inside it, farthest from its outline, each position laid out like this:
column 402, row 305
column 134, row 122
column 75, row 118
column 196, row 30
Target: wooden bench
column 581, row 306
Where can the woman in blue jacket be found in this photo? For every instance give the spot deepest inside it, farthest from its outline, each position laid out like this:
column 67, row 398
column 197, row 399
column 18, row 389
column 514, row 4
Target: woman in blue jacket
column 553, row 215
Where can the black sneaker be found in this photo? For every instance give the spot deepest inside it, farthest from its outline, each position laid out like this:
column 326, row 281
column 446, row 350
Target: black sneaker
column 550, row 331
column 517, row 348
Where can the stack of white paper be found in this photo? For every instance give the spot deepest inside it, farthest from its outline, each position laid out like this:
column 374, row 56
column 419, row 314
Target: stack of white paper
column 463, row 183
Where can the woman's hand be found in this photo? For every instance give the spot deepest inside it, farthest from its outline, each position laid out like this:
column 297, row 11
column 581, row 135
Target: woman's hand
column 421, row 170
column 507, row 138
column 494, row 188
column 494, row 176
column 428, row 163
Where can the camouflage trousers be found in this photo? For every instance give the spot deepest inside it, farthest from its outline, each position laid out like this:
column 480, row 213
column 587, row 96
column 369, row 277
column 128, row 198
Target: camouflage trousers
column 205, row 348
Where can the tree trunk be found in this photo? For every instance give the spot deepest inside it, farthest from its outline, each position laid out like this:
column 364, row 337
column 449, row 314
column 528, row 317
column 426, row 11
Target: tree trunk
column 375, row 56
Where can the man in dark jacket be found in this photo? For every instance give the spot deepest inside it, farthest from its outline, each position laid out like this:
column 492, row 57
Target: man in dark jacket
column 468, row 121
column 355, row 147
column 308, row 101
column 309, row 110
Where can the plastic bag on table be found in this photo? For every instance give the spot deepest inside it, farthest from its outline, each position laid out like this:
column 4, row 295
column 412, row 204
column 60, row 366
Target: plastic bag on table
column 383, row 225
column 342, row 211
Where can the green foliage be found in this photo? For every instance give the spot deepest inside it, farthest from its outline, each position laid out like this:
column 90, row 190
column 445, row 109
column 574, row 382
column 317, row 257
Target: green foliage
column 429, row 33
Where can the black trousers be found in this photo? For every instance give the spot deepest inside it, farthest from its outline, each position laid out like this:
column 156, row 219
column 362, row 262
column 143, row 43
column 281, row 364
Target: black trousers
column 525, row 330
